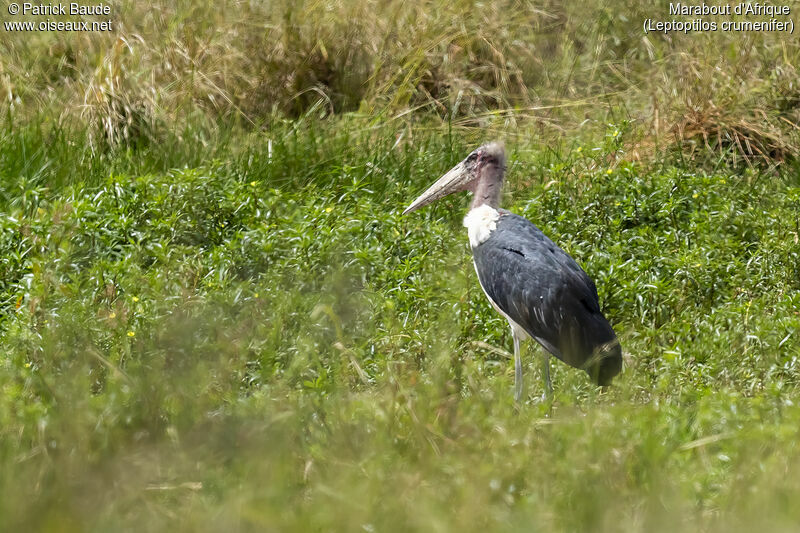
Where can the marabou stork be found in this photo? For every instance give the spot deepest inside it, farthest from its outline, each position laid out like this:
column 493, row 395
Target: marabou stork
column 533, row 283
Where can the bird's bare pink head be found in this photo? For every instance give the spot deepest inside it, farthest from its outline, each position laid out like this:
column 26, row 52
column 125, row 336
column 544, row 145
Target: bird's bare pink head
column 485, row 165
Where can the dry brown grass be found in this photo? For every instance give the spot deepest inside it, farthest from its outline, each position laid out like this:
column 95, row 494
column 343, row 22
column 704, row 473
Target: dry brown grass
column 744, row 106
column 562, row 68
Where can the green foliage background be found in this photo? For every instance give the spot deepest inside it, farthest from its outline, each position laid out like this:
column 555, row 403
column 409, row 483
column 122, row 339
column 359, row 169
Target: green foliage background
column 214, row 317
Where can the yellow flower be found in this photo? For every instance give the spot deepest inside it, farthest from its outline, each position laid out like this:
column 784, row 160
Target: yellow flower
column 253, row 184
column 328, row 209
column 112, row 315
column 580, row 149
column 609, row 171
column 695, row 195
column 135, row 299
column 28, row 364
column 255, row 295
column 131, row 334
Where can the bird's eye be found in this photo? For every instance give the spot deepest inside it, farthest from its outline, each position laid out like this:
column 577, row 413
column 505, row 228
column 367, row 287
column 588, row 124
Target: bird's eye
column 472, row 157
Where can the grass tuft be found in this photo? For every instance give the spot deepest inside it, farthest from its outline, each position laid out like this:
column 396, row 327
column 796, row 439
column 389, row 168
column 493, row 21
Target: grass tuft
column 559, row 71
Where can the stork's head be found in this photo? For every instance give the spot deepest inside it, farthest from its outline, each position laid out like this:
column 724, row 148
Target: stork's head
column 485, row 165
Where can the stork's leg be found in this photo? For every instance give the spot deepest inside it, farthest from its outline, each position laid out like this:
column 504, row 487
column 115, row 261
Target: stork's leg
column 546, row 372
column 517, row 367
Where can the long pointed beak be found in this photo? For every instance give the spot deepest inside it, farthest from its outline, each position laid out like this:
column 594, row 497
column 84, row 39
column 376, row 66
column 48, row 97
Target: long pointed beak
column 455, row 180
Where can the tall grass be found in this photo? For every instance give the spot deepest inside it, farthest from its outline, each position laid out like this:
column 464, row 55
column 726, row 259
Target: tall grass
column 214, row 317
column 563, row 67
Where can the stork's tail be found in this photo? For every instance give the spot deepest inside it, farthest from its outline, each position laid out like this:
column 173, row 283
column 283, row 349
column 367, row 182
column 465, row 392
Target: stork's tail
column 605, row 363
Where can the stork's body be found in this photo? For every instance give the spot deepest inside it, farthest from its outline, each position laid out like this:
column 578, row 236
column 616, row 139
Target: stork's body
column 542, row 292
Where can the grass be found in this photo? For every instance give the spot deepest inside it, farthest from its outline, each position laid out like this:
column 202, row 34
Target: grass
column 262, row 341
column 214, row 317
column 567, row 69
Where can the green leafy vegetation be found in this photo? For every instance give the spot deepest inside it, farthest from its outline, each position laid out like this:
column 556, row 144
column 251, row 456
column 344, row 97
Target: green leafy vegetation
column 263, row 341
column 214, row 317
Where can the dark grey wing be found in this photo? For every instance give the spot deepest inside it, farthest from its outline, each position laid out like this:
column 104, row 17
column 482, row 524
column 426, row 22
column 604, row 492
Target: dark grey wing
column 545, row 291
